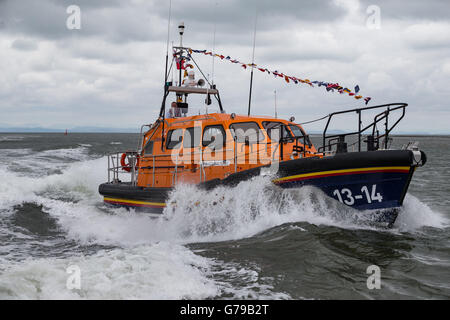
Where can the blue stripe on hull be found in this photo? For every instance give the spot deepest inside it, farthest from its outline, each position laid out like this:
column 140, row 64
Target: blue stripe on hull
column 351, row 188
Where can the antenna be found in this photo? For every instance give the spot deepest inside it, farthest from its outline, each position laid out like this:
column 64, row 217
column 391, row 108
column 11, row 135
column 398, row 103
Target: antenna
column 167, row 45
column 181, row 60
column 253, row 66
column 172, row 68
column 275, row 93
column 214, row 45
column 162, row 112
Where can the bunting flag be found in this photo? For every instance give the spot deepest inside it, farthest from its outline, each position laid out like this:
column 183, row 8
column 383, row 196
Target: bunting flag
column 180, row 65
column 329, row 86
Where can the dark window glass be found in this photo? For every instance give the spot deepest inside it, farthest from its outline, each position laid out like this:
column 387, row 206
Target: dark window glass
column 192, row 137
column 299, row 133
column 272, row 126
column 247, row 131
column 148, row 147
column 174, row 138
column 296, row 131
column 214, row 137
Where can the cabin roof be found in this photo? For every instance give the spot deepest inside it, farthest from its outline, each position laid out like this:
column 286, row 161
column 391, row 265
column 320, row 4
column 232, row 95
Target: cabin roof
column 214, row 117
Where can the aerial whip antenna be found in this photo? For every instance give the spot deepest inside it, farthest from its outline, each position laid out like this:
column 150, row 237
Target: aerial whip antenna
column 253, row 66
column 168, row 35
column 181, row 60
column 166, row 75
column 275, row 93
column 207, row 101
column 214, row 46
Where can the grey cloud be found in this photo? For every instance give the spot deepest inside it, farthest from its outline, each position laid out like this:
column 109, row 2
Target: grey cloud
column 122, row 20
column 25, row 45
column 234, row 13
column 47, row 20
column 37, row 18
column 115, row 62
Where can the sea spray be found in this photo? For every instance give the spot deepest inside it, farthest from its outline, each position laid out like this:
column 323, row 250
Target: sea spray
column 157, row 271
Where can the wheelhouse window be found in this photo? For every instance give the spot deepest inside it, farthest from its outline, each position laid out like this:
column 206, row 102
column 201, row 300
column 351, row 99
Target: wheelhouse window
column 273, row 126
column 148, row 147
column 247, row 131
column 192, row 137
column 299, row 133
column 214, row 137
column 174, row 139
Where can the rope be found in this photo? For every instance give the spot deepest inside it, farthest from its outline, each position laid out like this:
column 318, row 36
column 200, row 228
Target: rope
column 314, row 120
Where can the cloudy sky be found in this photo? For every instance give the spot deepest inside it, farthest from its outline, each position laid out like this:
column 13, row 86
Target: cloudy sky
column 109, row 73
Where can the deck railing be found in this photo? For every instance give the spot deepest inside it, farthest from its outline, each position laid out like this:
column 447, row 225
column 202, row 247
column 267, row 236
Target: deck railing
column 115, row 168
column 373, row 137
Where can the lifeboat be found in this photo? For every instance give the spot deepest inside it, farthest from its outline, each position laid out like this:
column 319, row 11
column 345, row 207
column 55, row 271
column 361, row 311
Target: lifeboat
column 356, row 168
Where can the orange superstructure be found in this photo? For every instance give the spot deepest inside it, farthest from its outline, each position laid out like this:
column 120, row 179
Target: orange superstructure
column 218, row 144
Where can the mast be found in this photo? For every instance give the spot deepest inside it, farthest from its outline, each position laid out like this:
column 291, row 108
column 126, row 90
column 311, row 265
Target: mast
column 181, row 31
column 253, row 67
column 167, row 44
column 162, row 112
column 275, row 93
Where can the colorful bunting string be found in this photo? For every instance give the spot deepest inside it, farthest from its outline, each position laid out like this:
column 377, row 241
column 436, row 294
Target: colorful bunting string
column 328, row 85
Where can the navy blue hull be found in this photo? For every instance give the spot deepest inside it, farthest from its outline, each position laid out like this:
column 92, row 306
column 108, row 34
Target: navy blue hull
column 363, row 191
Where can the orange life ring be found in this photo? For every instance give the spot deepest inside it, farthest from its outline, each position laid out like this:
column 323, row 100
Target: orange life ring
column 126, row 166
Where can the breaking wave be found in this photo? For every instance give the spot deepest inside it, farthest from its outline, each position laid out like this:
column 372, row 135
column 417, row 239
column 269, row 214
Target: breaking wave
column 158, row 271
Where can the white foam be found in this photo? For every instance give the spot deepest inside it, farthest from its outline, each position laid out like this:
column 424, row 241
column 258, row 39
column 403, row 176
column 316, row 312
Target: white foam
column 79, row 177
column 245, row 210
column 416, row 214
column 157, row 271
column 11, row 138
column 245, row 283
column 28, row 163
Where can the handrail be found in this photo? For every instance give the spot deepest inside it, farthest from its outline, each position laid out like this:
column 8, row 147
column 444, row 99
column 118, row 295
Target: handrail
column 379, row 117
column 141, row 136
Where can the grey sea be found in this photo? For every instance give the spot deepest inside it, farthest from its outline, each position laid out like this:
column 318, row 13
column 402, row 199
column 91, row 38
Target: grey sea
column 59, row 241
